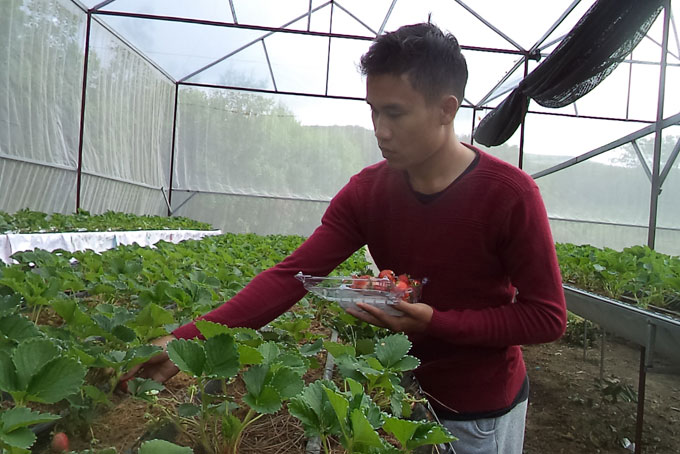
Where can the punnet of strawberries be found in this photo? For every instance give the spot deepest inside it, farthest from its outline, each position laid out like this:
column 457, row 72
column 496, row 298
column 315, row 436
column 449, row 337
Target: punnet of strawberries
column 388, row 280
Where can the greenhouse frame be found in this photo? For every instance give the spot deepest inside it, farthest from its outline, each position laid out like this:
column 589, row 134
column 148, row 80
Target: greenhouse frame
column 250, row 115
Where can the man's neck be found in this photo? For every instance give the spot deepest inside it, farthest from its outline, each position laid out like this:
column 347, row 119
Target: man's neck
column 437, row 173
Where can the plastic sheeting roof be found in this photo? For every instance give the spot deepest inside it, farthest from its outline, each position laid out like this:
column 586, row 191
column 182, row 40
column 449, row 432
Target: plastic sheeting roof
column 285, row 46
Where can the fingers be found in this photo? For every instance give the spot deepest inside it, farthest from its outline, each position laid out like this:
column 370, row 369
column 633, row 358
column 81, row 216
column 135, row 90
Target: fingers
column 131, row 373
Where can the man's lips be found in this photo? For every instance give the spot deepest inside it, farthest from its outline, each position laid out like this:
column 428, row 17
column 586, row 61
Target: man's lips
column 386, row 152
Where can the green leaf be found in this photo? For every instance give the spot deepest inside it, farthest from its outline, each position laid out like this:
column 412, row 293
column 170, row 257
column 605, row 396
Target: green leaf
column 18, row 328
column 30, row 356
column 314, row 410
column 408, row 362
column 402, row 429
column 222, row 360
column 23, row 417
column 140, row 354
column 254, row 378
column 163, row 447
column 311, row 349
column 124, row 333
column 362, row 431
column 9, row 303
column 340, row 405
column 338, row 350
column 430, row 433
column 188, row 410
column 211, row 329
column 151, row 317
column 287, row 382
column 21, row 438
column 249, row 355
column 144, row 387
column 8, row 376
column 267, row 401
column 270, row 352
column 391, row 349
column 56, row 380
column 188, row 355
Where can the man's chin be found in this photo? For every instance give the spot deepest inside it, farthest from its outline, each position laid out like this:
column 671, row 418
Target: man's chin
column 395, row 164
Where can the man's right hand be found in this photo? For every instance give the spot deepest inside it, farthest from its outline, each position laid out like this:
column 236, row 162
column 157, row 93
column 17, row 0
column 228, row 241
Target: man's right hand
column 158, row 367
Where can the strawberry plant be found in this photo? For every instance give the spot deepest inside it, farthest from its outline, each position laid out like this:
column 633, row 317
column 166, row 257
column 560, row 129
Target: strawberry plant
column 16, row 437
column 380, row 371
column 35, row 370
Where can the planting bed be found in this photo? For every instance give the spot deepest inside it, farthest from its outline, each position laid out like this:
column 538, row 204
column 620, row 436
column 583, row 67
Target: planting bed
column 86, row 316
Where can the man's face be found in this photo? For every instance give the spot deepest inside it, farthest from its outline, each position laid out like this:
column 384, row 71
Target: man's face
column 409, row 130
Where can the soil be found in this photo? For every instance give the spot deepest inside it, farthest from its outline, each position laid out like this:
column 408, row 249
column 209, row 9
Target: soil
column 571, row 410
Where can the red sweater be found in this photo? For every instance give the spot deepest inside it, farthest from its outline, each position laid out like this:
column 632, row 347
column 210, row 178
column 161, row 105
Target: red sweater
column 485, row 247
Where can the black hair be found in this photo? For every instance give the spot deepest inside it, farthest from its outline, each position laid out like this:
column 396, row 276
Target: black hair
column 430, row 58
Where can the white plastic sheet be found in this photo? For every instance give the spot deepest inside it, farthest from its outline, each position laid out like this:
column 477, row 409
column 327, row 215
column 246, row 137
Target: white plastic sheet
column 97, row 241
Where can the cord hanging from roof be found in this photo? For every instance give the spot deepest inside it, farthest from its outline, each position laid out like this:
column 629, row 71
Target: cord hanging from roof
column 601, row 39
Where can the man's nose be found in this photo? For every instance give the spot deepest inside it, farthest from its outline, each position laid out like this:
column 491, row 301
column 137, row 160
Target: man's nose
column 381, row 129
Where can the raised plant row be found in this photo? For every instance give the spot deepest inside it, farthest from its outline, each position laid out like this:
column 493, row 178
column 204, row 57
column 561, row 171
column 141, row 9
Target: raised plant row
column 28, row 221
column 637, row 275
column 72, row 323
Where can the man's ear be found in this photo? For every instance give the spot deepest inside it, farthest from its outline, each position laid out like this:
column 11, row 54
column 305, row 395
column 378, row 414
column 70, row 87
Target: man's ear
column 449, row 107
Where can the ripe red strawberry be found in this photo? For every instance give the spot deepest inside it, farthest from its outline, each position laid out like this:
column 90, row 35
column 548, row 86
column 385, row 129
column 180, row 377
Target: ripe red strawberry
column 389, row 274
column 361, row 282
column 60, row 442
column 403, row 278
column 380, row 283
column 402, row 286
column 123, row 386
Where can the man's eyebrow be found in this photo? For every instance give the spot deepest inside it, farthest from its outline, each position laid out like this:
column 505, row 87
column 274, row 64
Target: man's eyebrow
column 392, row 106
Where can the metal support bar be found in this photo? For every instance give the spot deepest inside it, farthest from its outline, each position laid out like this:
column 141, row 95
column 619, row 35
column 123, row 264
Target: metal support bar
column 585, row 338
column 183, row 203
column 269, row 65
column 656, row 163
column 328, row 53
column 387, row 17
column 488, row 24
column 173, row 146
column 641, row 158
column 82, row 111
column 355, row 18
column 603, row 341
column 670, row 161
column 167, row 202
column 269, row 33
column 233, row 10
column 674, row 119
column 639, row 420
column 651, row 340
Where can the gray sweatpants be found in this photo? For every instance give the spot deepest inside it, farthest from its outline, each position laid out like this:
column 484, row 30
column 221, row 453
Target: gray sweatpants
column 501, row 435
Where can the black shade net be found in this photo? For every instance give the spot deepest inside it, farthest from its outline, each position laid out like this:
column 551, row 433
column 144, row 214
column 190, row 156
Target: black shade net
column 601, row 39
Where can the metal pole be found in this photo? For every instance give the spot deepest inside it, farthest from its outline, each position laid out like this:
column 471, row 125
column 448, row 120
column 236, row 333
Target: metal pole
column 172, row 149
column 656, row 163
column 82, row 112
column 520, row 158
column 641, row 402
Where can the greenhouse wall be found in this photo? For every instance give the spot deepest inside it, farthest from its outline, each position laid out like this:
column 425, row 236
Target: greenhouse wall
column 41, row 68
column 250, row 160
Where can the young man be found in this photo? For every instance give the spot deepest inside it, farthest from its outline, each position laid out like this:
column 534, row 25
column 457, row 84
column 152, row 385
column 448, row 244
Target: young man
column 435, row 208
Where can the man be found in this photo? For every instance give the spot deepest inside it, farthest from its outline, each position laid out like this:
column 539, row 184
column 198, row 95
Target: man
column 435, row 208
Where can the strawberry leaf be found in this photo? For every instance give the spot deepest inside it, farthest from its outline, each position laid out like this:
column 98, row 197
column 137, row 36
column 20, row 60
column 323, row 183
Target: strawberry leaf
column 188, row 355
column 222, row 359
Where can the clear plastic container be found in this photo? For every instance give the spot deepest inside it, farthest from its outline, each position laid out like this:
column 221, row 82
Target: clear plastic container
column 347, row 291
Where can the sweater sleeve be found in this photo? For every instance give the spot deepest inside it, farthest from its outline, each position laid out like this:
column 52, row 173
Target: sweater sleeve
column 275, row 290
column 538, row 312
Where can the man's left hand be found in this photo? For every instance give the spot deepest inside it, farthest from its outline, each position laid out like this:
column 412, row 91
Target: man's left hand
column 416, row 316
